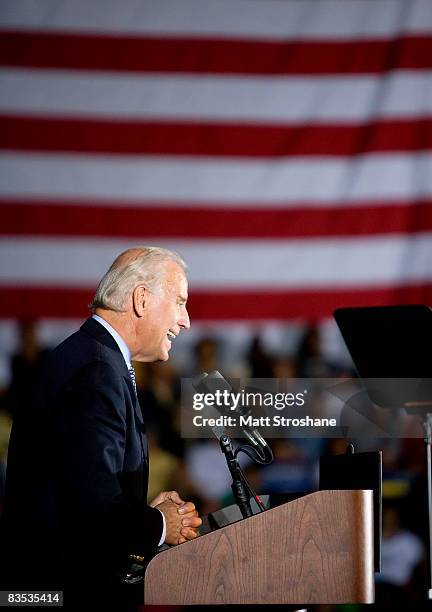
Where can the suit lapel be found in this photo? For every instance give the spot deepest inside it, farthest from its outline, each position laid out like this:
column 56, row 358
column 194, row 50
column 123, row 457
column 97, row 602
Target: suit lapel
column 102, row 335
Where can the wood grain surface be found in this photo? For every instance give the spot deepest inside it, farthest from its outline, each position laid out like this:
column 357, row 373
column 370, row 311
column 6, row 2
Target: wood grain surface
column 317, row 549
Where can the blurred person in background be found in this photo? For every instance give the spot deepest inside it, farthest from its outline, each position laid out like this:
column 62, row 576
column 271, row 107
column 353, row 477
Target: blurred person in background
column 291, row 471
column 260, row 362
column 311, row 363
column 26, row 368
column 206, row 355
column 75, row 505
column 402, row 551
column 158, row 391
column 202, row 458
column 158, row 388
column 165, row 466
column 283, row 367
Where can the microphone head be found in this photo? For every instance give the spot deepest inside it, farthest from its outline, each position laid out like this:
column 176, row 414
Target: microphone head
column 215, row 381
column 198, row 381
column 210, row 383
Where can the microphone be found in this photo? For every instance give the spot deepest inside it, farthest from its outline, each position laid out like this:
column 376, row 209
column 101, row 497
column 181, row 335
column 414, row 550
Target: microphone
column 213, row 382
column 261, row 453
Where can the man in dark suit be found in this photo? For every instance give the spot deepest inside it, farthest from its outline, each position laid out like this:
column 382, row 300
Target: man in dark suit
column 75, row 506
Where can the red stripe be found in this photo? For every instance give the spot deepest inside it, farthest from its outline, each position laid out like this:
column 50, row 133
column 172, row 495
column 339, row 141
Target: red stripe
column 118, row 220
column 63, row 302
column 215, row 139
column 211, row 55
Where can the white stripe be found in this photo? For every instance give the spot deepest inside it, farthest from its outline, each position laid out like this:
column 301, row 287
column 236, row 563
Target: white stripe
column 183, row 181
column 263, row 99
column 270, row 19
column 226, row 264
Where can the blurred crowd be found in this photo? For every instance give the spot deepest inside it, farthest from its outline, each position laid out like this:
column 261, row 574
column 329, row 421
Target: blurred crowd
column 197, row 469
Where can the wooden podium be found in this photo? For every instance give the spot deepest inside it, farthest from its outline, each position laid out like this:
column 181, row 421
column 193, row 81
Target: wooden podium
column 315, row 550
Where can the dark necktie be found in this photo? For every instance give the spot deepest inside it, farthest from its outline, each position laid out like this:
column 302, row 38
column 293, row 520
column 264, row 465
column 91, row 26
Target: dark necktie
column 132, row 375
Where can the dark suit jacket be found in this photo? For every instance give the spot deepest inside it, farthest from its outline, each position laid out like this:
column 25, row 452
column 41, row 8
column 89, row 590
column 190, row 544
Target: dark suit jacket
column 75, row 504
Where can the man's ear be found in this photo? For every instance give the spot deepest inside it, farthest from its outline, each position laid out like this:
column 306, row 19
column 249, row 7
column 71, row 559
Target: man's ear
column 139, row 297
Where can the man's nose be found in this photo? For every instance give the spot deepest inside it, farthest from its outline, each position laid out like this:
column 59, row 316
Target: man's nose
column 184, row 319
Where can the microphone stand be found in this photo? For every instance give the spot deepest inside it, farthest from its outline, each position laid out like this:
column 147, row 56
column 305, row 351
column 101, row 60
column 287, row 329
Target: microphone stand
column 260, row 452
column 238, row 487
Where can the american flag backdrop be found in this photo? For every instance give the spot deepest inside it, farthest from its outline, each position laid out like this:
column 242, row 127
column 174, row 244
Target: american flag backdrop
column 282, row 147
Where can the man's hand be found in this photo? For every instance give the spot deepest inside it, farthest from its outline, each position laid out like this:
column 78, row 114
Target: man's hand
column 170, row 495
column 181, row 518
column 190, row 522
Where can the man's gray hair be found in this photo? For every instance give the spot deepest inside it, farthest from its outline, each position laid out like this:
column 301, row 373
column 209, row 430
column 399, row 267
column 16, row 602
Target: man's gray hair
column 137, row 266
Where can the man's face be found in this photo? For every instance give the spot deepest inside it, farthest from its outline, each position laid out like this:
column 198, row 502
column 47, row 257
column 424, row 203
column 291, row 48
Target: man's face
column 165, row 316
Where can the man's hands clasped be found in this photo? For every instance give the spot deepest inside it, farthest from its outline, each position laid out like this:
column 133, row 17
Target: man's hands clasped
column 182, row 520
